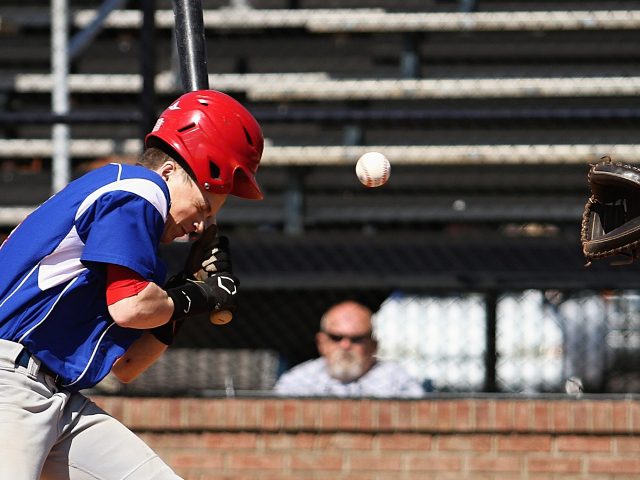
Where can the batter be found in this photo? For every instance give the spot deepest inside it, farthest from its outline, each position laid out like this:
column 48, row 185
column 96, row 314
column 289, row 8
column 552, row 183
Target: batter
column 83, row 292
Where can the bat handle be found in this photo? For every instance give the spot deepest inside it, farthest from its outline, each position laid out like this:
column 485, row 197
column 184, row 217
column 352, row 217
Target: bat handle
column 221, row 317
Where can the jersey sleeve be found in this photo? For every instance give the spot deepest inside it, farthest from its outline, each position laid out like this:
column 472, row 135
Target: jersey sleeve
column 123, row 228
column 123, row 283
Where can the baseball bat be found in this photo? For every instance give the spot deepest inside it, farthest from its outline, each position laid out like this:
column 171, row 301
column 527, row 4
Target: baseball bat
column 190, row 40
column 192, row 58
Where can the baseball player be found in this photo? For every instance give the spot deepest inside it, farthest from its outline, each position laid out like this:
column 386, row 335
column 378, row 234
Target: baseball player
column 83, row 292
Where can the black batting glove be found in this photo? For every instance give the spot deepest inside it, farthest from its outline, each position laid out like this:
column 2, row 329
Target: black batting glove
column 200, row 251
column 194, row 297
column 217, row 258
column 176, row 280
column 216, row 293
column 167, row 333
column 210, row 255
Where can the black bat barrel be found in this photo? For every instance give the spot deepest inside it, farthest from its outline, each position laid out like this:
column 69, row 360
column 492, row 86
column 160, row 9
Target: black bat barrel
column 190, row 39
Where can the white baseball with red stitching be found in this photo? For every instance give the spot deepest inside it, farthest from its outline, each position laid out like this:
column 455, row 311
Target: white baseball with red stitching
column 373, row 169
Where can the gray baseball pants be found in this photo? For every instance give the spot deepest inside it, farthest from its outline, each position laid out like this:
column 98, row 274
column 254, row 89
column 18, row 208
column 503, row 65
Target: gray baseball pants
column 48, row 433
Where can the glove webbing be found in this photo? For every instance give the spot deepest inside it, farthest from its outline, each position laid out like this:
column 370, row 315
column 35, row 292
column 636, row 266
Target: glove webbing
column 629, row 249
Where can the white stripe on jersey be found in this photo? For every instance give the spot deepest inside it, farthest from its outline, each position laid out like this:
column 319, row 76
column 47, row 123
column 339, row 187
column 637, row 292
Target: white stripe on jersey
column 63, row 264
column 18, row 287
column 93, row 354
column 139, row 186
column 48, row 311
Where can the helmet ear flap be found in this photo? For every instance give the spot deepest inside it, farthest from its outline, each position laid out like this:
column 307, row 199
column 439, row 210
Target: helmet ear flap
column 244, row 184
column 216, row 181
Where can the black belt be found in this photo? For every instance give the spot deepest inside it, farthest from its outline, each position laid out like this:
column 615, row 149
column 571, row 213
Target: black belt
column 23, row 361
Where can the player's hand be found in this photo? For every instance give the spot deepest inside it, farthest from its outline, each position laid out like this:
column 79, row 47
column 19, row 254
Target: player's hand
column 221, row 291
column 216, row 293
column 167, row 333
column 200, row 249
column 218, row 257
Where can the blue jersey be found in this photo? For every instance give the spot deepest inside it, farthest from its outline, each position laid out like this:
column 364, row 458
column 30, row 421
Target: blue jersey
column 52, row 285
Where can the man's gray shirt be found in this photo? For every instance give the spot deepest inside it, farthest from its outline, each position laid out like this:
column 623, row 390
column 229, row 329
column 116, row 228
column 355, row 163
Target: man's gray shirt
column 384, row 379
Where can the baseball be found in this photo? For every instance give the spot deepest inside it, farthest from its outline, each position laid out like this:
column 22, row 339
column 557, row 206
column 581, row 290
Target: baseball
column 373, row 169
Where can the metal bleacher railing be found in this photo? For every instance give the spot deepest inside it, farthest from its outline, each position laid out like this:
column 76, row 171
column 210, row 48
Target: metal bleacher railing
column 378, row 20
column 318, row 87
column 344, row 155
column 321, row 86
column 360, row 19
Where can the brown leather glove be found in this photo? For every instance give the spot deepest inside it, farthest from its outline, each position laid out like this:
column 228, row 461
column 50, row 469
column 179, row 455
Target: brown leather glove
column 611, row 217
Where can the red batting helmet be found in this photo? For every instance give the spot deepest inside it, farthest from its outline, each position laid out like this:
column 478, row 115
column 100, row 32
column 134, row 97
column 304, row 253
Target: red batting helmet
column 217, row 137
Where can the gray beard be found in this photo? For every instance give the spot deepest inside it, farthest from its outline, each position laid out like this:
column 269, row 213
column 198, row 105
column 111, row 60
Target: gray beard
column 346, row 366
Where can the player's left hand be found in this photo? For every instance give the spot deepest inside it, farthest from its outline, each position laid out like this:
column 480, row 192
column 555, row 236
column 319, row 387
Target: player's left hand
column 218, row 258
column 199, row 251
column 167, row 333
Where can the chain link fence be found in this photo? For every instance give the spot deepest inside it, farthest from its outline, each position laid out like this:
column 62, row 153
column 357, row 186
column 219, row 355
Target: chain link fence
column 529, row 341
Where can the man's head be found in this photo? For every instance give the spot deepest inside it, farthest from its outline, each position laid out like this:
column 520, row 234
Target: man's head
column 192, row 207
column 205, row 145
column 346, row 342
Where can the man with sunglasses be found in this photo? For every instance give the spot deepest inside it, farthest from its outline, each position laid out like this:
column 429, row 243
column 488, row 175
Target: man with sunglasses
column 348, row 366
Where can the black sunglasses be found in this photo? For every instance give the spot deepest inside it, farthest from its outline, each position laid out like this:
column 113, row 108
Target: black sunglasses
column 353, row 339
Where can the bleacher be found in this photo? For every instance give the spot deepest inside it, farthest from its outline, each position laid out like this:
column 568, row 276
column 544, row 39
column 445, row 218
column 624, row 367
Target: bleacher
column 522, row 83
column 489, row 111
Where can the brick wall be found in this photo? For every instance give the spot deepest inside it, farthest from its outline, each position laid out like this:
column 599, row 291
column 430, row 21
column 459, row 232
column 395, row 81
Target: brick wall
column 440, row 438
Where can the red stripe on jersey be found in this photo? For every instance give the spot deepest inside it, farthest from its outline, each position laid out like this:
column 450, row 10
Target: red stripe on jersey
column 122, row 283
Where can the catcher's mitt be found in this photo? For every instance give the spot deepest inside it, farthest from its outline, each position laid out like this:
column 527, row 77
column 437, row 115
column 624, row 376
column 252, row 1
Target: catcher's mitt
column 611, row 218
